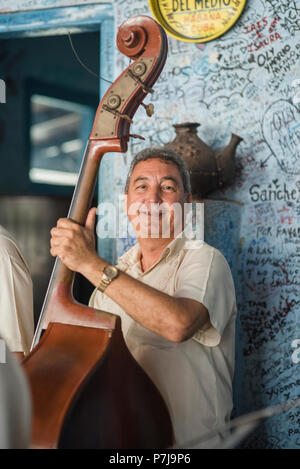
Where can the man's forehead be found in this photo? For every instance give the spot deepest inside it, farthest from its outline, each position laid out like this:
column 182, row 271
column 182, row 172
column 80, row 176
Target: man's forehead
column 156, row 165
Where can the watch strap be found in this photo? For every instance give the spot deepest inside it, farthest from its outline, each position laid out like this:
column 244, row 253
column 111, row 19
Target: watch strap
column 104, row 282
column 106, row 279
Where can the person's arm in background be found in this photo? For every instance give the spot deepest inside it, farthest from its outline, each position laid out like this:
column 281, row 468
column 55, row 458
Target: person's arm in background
column 16, row 300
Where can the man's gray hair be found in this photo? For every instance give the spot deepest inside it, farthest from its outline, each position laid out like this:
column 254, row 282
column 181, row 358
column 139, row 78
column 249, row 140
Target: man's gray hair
column 165, row 154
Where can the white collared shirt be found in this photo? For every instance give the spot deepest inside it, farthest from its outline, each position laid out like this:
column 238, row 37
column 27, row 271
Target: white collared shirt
column 194, row 376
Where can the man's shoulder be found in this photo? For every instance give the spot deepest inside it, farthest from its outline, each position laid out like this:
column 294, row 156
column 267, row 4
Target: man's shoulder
column 195, row 251
column 196, row 247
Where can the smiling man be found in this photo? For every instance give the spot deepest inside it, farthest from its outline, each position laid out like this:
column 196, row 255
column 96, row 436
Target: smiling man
column 177, row 304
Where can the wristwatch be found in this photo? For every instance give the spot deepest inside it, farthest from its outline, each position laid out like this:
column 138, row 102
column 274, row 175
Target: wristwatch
column 110, row 272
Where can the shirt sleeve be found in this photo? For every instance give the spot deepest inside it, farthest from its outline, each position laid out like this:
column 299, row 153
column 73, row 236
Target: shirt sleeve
column 16, row 304
column 205, row 276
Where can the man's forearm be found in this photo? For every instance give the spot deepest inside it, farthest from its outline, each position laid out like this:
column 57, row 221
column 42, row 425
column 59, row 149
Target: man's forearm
column 174, row 318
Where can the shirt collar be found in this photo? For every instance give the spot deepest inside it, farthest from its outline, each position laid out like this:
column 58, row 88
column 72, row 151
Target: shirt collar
column 131, row 258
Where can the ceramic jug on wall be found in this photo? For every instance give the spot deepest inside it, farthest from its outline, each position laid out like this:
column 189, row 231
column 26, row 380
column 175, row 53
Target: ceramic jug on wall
column 208, row 170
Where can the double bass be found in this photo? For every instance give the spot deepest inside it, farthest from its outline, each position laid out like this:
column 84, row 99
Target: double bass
column 87, row 389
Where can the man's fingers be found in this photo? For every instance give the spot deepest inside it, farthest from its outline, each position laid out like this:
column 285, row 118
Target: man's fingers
column 91, row 218
column 67, row 223
column 59, row 241
column 63, row 223
column 53, row 251
column 62, row 233
column 57, row 248
column 57, row 232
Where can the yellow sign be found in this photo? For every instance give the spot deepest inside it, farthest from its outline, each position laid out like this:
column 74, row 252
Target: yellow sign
column 196, row 20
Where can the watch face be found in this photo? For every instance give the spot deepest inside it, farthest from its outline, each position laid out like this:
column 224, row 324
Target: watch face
column 111, row 271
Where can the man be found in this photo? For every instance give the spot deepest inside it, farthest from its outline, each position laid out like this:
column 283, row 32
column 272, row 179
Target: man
column 16, row 297
column 177, row 304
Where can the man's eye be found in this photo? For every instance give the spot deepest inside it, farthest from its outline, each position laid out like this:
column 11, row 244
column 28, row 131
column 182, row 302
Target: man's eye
column 168, row 188
column 142, row 186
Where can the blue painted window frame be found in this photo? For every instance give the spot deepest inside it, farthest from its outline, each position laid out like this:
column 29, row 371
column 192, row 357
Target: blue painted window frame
column 88, row 18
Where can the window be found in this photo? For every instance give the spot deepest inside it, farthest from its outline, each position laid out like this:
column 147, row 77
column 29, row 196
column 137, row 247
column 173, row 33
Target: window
column 58, row 133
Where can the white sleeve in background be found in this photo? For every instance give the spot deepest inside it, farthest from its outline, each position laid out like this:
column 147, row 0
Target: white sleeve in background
column 16, row 298
column 15, row 403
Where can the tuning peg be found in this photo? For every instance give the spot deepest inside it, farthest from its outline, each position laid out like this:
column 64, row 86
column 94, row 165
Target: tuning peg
column 117, row 113
column 149, row 109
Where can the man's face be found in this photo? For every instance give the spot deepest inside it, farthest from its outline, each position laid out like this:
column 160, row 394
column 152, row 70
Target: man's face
column 155, row 199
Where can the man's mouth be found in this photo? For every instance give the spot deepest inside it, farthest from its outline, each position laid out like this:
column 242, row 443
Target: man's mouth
column 153, row 213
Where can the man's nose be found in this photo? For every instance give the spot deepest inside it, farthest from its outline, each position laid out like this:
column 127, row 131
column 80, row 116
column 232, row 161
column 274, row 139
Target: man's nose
column 154, row 195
